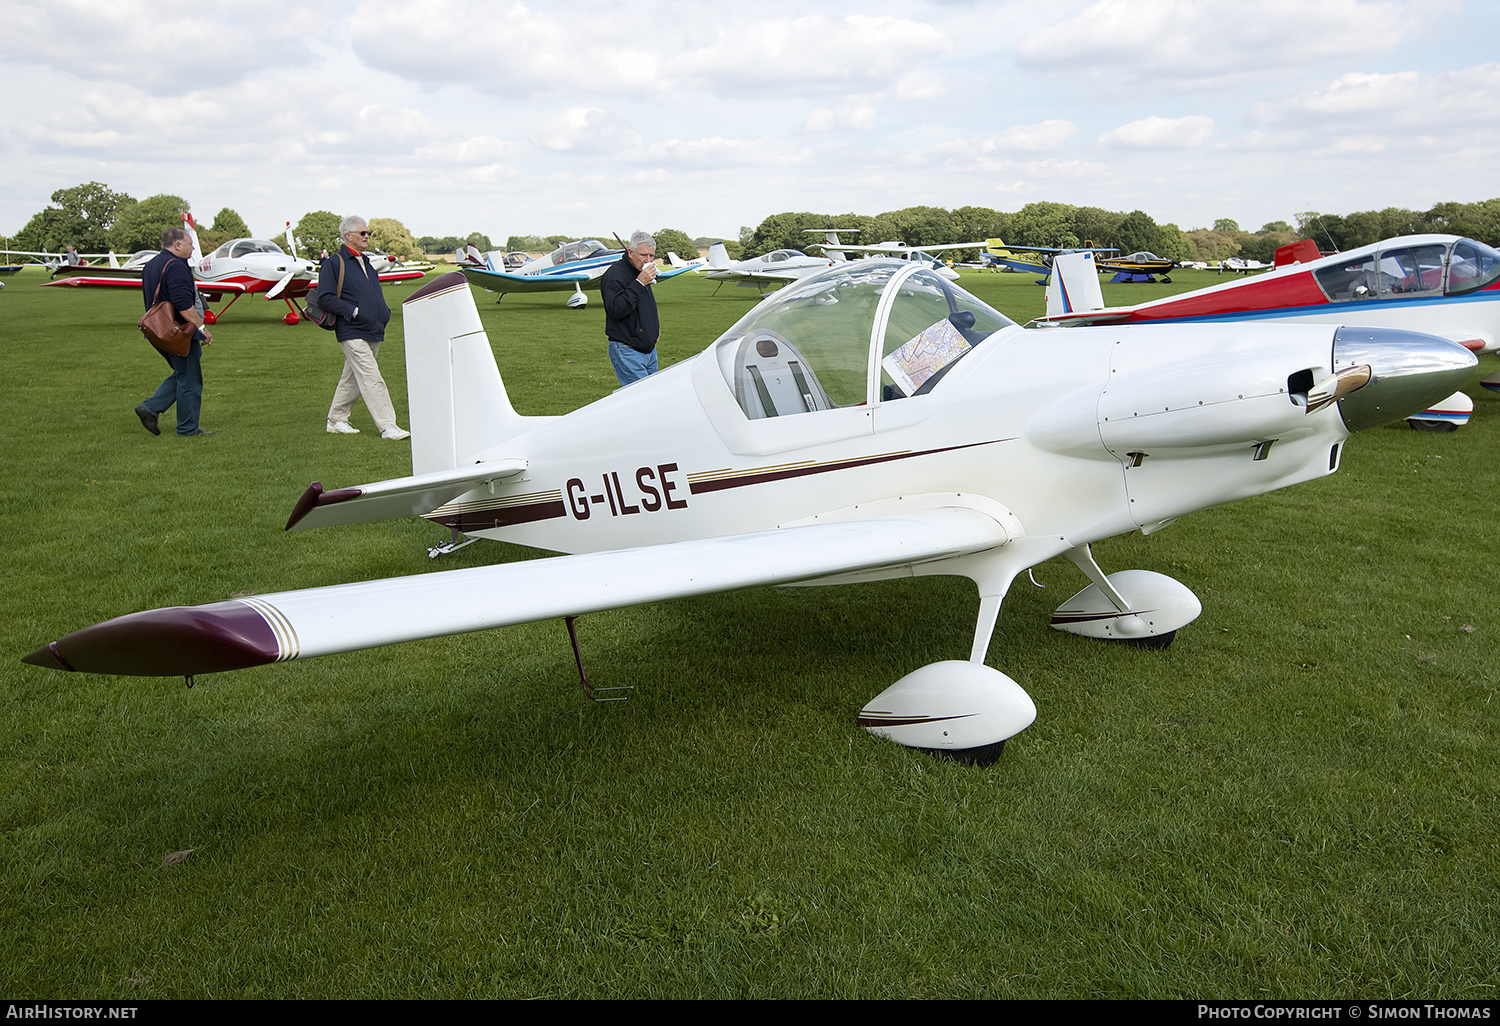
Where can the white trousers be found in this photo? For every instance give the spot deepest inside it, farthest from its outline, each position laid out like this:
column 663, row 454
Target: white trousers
column 361, row 379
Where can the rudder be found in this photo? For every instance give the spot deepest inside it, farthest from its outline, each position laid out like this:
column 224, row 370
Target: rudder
column 456, row 400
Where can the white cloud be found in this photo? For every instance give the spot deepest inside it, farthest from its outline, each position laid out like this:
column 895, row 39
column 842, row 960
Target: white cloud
column 510, row 49
column 1043, row 137
column 501, row 47
column 1157, row 133
column 1188, row 40
column 920, row 85
column 855, row 115
column 717, row 153
column 1461, row 100
column 588, row 130
column 160, row 46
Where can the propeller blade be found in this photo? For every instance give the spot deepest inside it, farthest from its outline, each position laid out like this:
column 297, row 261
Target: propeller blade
column 276, row 289
column 1334, row 387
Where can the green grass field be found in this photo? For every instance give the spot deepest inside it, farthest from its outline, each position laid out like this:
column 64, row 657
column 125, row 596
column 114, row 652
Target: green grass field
column 1300, row 798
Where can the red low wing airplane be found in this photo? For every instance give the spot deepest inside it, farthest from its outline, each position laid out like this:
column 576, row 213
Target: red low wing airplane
column 237, row 268
column 1441, row 285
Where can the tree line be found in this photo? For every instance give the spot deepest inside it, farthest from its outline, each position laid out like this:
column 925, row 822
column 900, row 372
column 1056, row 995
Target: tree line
column 1065, row 226
column 94, row 218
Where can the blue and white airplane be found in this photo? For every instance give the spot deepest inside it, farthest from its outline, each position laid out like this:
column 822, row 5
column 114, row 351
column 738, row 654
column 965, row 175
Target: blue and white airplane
column 573, row 265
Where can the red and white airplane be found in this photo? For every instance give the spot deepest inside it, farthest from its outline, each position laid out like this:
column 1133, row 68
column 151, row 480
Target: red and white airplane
column 1441, row 285
column 237, row 268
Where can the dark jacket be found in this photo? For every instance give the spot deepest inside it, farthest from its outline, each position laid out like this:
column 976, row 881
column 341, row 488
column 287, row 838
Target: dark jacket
column 177, row 285
column 361, row 290
column 629, row 307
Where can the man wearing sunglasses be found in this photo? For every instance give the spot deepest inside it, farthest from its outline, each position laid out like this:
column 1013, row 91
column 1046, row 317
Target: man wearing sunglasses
column 349, row 288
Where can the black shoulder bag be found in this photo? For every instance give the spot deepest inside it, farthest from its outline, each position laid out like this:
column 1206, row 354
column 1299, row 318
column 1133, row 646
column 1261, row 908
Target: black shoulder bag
column 326, row 319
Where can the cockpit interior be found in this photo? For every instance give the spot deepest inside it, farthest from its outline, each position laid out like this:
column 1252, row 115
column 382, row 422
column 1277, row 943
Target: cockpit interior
column 856, row 334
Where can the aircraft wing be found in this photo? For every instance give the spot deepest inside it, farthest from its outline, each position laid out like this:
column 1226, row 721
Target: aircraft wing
column 410, row 274
column 897, row 250
column 1053, row 249
column 253, row 631
column 90, row 281
column 755, row 277
column 83, row 271
column 503, row 281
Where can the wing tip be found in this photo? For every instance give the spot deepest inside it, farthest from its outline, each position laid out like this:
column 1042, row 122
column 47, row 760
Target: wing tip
column 181, row 640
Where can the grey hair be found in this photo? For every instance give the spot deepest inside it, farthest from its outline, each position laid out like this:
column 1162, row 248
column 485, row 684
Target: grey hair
column 171, row 236
column 351, row 223
column 639, row 239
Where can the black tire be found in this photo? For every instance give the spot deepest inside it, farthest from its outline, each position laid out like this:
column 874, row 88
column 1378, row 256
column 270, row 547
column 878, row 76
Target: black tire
column 1153, row 640
column 984, row 755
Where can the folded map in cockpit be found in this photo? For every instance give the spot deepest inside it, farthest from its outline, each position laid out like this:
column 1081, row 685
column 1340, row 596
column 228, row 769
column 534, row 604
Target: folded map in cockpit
column 932, row 350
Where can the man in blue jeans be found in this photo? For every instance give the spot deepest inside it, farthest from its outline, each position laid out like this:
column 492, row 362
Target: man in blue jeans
column 630, row 320
column 169, row 271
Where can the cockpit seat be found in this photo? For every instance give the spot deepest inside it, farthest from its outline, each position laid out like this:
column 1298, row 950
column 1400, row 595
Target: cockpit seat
column 773, row 379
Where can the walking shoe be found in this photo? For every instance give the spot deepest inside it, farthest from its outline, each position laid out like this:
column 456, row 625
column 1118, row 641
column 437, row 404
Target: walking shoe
column 148, row 419
column 342, row 427
column 394, row 433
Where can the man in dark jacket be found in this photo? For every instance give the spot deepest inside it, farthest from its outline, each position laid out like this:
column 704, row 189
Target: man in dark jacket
column 169, row 272
column 349, row 288
column 630, row 320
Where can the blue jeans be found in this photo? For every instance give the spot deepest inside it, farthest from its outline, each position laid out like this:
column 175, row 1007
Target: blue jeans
column 184, row 386
column 631, row 365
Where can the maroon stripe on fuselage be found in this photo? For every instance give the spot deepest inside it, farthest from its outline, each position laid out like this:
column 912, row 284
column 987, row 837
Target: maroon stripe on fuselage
column 719, row 484
column 505, row 516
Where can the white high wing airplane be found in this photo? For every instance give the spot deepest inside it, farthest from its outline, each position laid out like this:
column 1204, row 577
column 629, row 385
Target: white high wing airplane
column 778, row 267
column 868, row 422
column 896, row 250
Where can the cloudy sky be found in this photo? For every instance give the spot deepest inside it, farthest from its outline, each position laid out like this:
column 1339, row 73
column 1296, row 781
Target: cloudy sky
column 580, row 116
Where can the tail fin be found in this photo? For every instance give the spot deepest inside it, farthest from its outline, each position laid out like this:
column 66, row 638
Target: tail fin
column 456, row 401
column 718, row 256
column 192, row 230
column 1074, row 287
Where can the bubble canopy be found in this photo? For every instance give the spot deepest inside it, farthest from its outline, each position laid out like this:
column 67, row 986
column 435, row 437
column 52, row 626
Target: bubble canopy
column 863, row 332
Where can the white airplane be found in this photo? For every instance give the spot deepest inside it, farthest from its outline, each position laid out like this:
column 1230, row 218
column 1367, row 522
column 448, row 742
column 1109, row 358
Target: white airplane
column 1241, row 265
column 872, row 421
column 52, row 261
column 239, row 267
column 573, row 265
column 892, row 250
column 1440, row 284
column 778, row 267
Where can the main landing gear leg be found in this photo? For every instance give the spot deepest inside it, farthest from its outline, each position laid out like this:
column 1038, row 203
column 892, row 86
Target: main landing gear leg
column 588, row 689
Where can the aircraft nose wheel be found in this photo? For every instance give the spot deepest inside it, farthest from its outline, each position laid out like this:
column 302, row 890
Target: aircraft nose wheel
column 1152, row 641
column 984, row 755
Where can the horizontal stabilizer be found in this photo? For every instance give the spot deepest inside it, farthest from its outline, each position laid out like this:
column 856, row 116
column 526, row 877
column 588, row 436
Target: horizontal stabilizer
column 401, row 497
column 254, row 631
